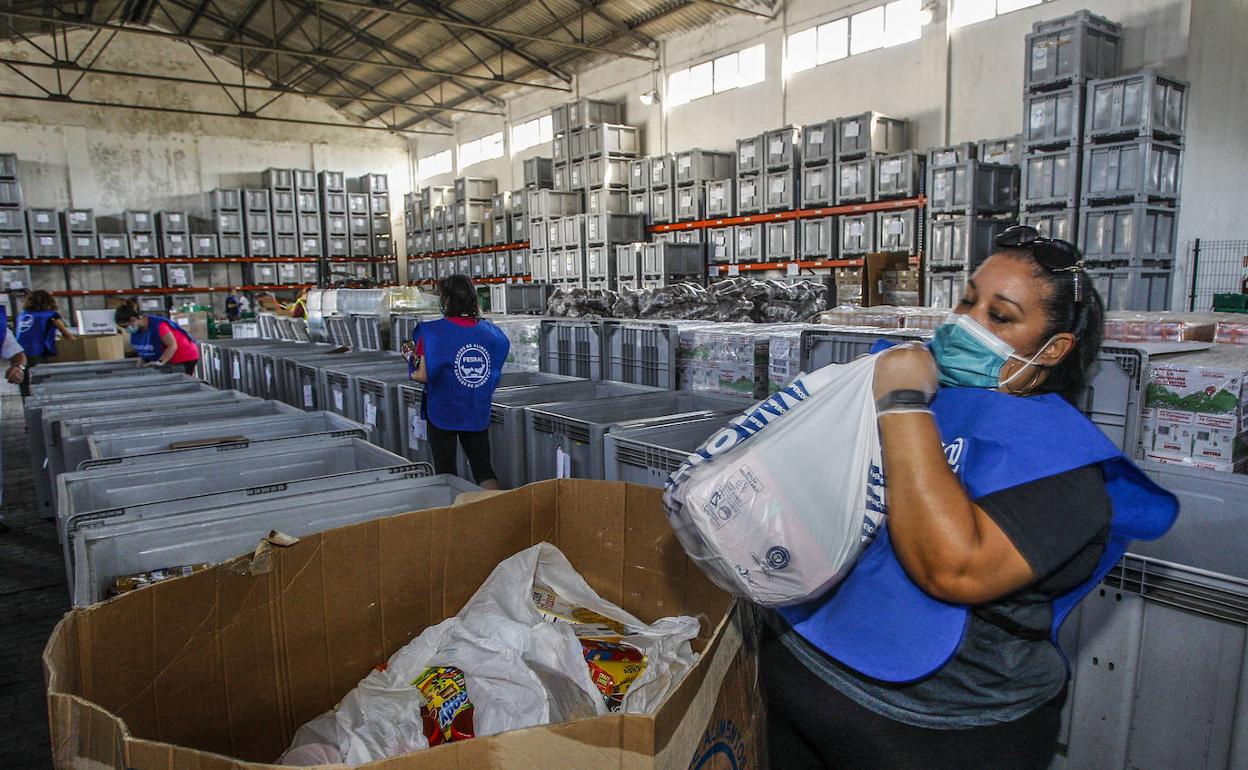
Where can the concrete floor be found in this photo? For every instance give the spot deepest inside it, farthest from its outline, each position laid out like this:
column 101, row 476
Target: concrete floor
column 33, row 596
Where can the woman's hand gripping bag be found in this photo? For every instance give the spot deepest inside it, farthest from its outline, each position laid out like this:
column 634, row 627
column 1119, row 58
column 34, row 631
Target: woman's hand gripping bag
column 778, row 505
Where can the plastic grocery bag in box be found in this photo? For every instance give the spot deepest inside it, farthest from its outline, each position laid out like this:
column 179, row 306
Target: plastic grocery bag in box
column 778, row 505
column 527, row 649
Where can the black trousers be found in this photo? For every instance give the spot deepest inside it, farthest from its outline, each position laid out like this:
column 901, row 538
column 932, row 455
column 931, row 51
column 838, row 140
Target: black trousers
column 188, row 366
column 31, row 361
column 444, row 444
column 812, row 725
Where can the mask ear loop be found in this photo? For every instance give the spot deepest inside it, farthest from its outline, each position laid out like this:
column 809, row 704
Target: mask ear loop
column 1027, row 363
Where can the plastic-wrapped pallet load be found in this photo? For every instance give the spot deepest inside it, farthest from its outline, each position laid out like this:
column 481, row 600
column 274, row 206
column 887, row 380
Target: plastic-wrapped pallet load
column 1196, row 410
column 725, row 359
column 1131, row 326
column 534, row 645
column 524, row 334
column 784, row 356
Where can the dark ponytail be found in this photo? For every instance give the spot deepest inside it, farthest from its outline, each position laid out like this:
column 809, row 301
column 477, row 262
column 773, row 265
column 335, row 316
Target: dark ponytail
column 459, row 297
column 1074, row 306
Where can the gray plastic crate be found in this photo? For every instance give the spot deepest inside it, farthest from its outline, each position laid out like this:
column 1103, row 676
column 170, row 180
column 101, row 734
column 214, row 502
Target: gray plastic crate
column 376, row 399
column 612, row 140
column 639, row 203
column 610, row 229
column 698, row 166
column 855, row 181
column 818, row 238
column 783, row 147
column 720, row 195
column 818, row 185
column 641, row 353
column 782, row 240
column 639, row 174
column 662, row 172
column 944, row 290
column 566, row 440
column 899, row 232
column 951, row 155
column 1135, row 235
column 578, row 146
column 1133, row 288
column 972, row 187
column 1063, row 224
column 15, row 245
column 662, row 205
column 1051, row 179
column 262, row 368
column 129, row 442
column 186, row 533
column 1053, row 119
column 606, row 201
column 857, row 234
column 783, row 189
column 539, row 173
column 819, row 143
column 1144, row 105
column 560, row 150
column 517, row 298
column 603, row 172
column 628, row 261
column 550, row 204
column 821, row 347
column 586, row 112
column 870, row 133
column 338, row 383
column 751, row 194
column 672, row 259
column 1072, row 48
column 84, row 246
column 690, row 203
column 751, row 155
column 469, row 188
column 649, row 456
column 1206, row 535
column 572, row 347
column 750, row 244
column 722, row 245
column 899, row 176
column 1140, row 171
column 301, row 376
column 15, row 279
column 962, row 242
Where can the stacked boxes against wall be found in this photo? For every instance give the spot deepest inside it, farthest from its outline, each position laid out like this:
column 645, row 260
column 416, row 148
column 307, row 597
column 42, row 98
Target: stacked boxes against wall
column 172, row 229
column 14, row 243
column 703, row 189
column 551, row 213
column 748, row 243
column 818, row 237
column 310, row 229
column 1196, row 410
column 78, row 229
column 335, row 230
column 872, row 160
column 140, row 230
column 970, row 202
column 473, row 199
column 1129, row 202
column 225, row 205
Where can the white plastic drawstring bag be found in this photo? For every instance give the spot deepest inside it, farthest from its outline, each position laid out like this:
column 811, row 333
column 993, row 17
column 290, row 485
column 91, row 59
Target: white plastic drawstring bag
column 778, row 505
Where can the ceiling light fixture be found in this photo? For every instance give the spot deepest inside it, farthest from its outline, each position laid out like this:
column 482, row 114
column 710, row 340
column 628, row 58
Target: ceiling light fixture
column 648, row 97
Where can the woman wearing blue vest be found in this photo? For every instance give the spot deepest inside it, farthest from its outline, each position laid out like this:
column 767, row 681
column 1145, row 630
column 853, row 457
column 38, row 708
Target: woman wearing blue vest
column 460, row 359
column 1005, row 507
column 37, row 326
column 158, row 341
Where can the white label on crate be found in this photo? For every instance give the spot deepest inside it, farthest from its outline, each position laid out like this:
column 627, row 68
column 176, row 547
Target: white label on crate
column 890, row 167
column 45, row 240
column 563, row 464
column 938, row 186
column 1040, row 55
column 370, row 412
column 268, row 379
column 895, row 227
column 747, row 152
column 851, row 129
column 1037, row 115
column 856, row 229
column 337, row 399
column 216, row 364
column 684, row 162
column 307, row 396
column 686, row 200
column 17, row 284
column 791, row 269
column 238, row 375
column 720, row 250
column 777, row 186
column 816, row 136
column 745, row 239
column 42, row 218
column 777, row 146
column 716, row 194
column 734, row 271
column 417, row 428
column 84, row 243
column 179, row 275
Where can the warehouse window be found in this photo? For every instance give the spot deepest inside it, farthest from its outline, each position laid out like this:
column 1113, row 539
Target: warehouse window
column 734, row 70
column 866, row 31
column 432, row 165
column 897, row 22
column 531, row 133
column 480, row 150
column 833, row 41
column 964, row 12
column 902, row 22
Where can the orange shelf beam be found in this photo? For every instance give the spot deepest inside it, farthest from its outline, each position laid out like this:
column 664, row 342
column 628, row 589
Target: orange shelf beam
column 780, row 216
column 157, row 261
column 512, row 279
column 184, row 290
column 464, row 252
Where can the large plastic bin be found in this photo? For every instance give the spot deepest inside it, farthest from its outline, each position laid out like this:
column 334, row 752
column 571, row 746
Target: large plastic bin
column 214, row 533
column 235, row 362
column 212, row 365
column 572, row 347
column 301, row 377
column 337, row 383
column 1208, row 534
column 103, row 489
column 566, row 440
column 113, row 381
column 376, row 398
column 840, row 345
column 262, row 368
column 130, row 442
column 648, row 456
column 74, row 432
column 641, row 353
column 73, row 370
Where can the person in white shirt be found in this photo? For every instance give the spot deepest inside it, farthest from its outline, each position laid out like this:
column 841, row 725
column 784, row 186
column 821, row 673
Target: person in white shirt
column 11, row 351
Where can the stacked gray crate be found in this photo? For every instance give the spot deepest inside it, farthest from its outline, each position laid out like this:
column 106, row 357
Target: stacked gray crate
column 603, row 234
column 817, row 237
column 13, row 241
column 750, row 189
column 78, row 228
column 1062, row 56
column 10, row 184
column 359, row 225
column 335, row 235
column 571, row 124
column 380, row 230
column 863, row 143
column 544, row 210
column 44, row 229
column 664, row 263
column 1129, row 201
column 500, row 219
column 969, row 203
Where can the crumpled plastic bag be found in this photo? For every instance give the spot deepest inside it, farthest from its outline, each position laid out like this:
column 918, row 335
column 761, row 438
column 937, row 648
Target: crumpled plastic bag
column 521, row 669
column 778, row 506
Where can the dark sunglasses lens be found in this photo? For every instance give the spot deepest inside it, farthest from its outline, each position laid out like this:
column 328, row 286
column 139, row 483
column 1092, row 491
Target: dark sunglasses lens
column 1018, row 235
column 1055, row 254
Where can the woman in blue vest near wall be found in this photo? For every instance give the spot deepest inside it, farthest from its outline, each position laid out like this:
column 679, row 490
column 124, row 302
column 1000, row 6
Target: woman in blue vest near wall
column 37, row 326
column 460, row 359
column 158, row 341
column 1005, row 507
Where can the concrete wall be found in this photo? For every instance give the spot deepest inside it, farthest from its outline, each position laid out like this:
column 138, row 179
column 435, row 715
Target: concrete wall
column 111, row 159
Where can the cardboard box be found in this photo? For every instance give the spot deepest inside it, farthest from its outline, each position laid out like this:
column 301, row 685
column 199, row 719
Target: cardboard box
column 93, row 347
column 196, row 324
column 876, row 266
column 232, row 660
column 96, row 322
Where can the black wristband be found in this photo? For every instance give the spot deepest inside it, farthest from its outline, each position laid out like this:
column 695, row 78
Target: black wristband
column 902, row 399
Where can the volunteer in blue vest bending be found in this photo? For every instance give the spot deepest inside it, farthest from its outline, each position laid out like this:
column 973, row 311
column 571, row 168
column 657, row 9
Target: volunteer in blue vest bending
column 1005, row 507
column 460, row 359
column 37, row 326
column 158, row 341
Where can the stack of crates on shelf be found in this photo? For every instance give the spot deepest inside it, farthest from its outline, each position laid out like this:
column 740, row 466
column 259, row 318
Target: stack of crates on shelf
column 309, row 219
column 566, row 250
column 332, row 186
column 969, row 203
column 1062, row 56
column 1129, row 202
column 140, row 227
column 546, row 210
column 226, row 207
column 575, row 125
column 498, row 223
column 639, row 187
column 539, row 173
column 13, row 241
column 627, row 259
column 359, row 225
column 664, row 263
column 473, row 198
column 695, row 171
column 380, row 230
column 433, row 203
column 604, row 232
column 175, row 243
column 78, row 228
column 818, row 237
column 612, row 149
column 44, row 227
column 411, row 223
column 866, row 144
column 261, row 220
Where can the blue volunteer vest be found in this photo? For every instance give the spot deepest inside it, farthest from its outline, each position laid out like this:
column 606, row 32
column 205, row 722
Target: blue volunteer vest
column 147, row 343
column 4, row 324
column 464, row 364
column 879, row 623
column 36, row 332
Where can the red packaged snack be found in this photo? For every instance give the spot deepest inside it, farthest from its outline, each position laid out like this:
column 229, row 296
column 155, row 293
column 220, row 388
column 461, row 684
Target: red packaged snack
column 448, row 713
column 613, row 667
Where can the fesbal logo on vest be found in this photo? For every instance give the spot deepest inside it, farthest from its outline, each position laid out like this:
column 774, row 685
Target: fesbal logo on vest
column 472, row 366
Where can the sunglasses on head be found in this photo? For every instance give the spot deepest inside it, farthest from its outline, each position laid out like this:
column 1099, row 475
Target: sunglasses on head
column 1052, row 253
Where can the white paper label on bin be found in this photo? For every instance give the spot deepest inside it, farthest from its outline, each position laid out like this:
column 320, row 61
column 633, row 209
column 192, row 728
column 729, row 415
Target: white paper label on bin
column 684, row 162
column 1037, row 115
column 777, row 186
column 745, row 239
column 791, row 269
column 1040, row 55
column 417, row 429
column 716, row 194
column 938, row 186
column 370, row 413
column 895, row 227
column 734, row 271
column 747, row 152
column 720, row 250
column 851, row 129
column 816, row 136
column 856, row 229
column 890, row 167
column 238, row 375
column 307, row 396
column 686, row 200
column 563, row 464
column 45, row 240
column 268, row 378
column 777, row 146
column 216, row 364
